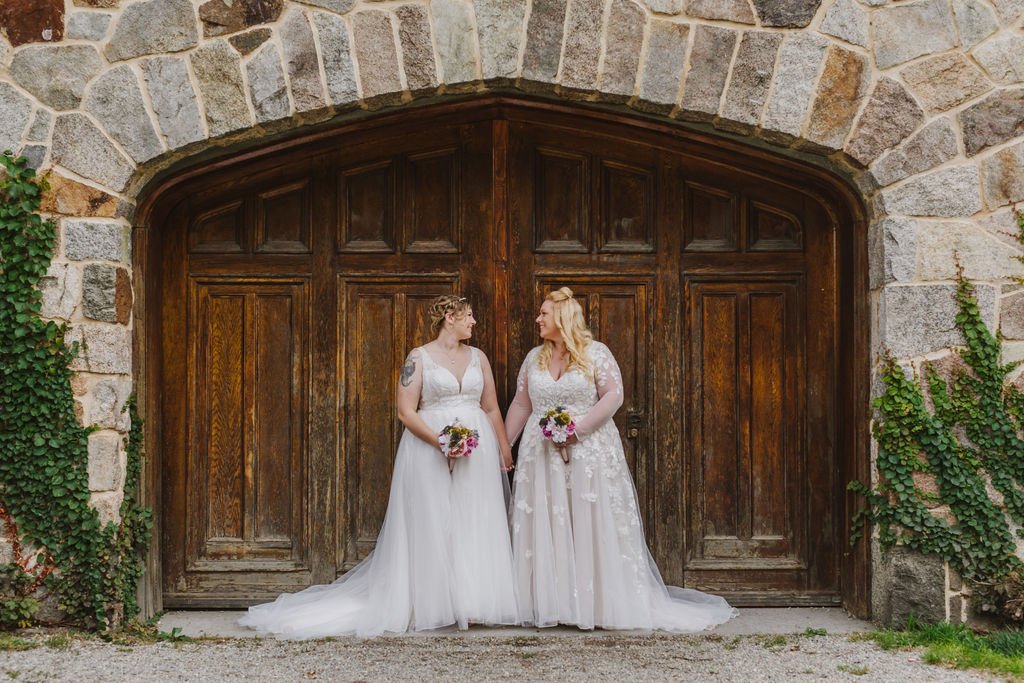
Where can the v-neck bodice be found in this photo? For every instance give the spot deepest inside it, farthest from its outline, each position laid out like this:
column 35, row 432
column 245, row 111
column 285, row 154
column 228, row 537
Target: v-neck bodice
column 573, row 389
column 441, row 388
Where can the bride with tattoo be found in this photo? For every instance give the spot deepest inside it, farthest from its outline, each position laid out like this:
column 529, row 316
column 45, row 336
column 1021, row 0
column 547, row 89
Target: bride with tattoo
column 443, row 556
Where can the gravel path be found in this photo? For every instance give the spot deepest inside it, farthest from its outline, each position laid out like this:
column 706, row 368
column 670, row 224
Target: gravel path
column 454, row 658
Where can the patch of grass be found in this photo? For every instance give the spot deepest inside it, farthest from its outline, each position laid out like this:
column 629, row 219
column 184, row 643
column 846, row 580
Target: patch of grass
column 59, row 641
column 146, row 634
column 1000, row 652
column 9, row 643
column 917, row 634
column 524, row 641
column 1009, row 643
column 853, row 670
column 734, row 643
column 965, row 657
column 772, row 642
column 810, row 632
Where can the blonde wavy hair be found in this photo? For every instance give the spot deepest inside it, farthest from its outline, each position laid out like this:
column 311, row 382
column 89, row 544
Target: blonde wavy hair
column 567, row 315
column 457, row 305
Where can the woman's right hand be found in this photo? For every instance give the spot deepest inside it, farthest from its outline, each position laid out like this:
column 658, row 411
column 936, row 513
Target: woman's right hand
column 506, row 461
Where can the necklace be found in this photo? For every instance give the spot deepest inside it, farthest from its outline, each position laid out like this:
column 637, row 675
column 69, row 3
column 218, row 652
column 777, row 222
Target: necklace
column 451, row 359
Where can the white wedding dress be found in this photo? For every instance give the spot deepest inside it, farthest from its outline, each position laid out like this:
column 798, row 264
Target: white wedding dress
column 443, row 555
column 577, row 539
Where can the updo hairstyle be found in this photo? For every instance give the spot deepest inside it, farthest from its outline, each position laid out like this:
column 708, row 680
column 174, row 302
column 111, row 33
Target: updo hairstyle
column 458, row 306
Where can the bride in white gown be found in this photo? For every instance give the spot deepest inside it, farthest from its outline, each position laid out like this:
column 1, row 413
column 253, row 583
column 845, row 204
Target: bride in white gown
column 577, row 540
column 443, row 555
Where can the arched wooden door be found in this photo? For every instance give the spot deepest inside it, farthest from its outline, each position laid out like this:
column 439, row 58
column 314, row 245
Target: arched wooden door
column 292, row 284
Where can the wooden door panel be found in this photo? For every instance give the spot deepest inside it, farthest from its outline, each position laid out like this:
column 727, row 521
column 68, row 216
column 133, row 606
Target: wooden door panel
column 561, row 201
column 747, row 423
column 627, row 221
column 773, row 229
column 219, row 413
column 366, row 208
column 283, row 219
column 218, row 230
column 248, row 341
column 278, row 416
column 774, row 429
column 716, row 427
column 712, row 221
column 432, row 195
column 382, row 319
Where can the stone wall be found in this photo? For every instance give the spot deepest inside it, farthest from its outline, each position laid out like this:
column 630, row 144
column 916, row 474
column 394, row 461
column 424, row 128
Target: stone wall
column 920, row 103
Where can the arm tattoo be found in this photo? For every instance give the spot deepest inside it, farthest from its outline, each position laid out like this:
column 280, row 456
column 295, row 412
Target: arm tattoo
column 407, row 371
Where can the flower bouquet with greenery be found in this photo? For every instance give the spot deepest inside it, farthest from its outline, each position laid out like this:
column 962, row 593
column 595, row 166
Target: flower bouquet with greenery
column 457, row 441
column 557, row 425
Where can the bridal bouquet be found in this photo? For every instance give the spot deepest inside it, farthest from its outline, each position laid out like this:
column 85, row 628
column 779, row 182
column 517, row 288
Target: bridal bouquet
column 457, row 441
column 558, row 425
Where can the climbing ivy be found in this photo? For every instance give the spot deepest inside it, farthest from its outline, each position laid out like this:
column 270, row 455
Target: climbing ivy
column 44, row 482
column 964, row 433
column 124, row 546
column 20, row 578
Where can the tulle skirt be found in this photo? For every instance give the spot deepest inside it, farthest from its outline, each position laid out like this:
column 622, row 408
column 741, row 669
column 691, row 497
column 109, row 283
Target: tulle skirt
column 579, row 548
column 443, row 556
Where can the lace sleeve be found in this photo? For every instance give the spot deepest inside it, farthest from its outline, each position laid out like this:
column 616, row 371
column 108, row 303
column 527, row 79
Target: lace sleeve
column 521, row 407
column 609, row 391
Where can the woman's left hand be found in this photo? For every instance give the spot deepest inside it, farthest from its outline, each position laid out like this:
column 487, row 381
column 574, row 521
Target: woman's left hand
column 571, row 439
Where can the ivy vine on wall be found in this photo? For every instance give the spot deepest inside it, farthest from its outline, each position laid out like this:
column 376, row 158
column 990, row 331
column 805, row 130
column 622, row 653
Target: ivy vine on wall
column 91, row 568
column 962, row 433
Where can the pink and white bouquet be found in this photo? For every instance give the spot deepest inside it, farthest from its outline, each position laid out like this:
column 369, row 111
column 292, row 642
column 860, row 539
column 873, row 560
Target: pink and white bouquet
column 558, row 425
column 457, row 441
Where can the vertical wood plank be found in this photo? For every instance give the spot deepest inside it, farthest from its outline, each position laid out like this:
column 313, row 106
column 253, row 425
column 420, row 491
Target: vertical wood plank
column 277, row 413
column 719, row 410
column 222, row 342
column 769, row 416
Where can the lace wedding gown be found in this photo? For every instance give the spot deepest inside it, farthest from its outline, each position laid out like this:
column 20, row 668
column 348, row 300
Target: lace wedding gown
column 443, row 554
column 577, row 540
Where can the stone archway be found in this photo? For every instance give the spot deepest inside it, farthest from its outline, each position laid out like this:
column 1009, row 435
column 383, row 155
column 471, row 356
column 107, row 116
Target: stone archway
column 922, row 123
